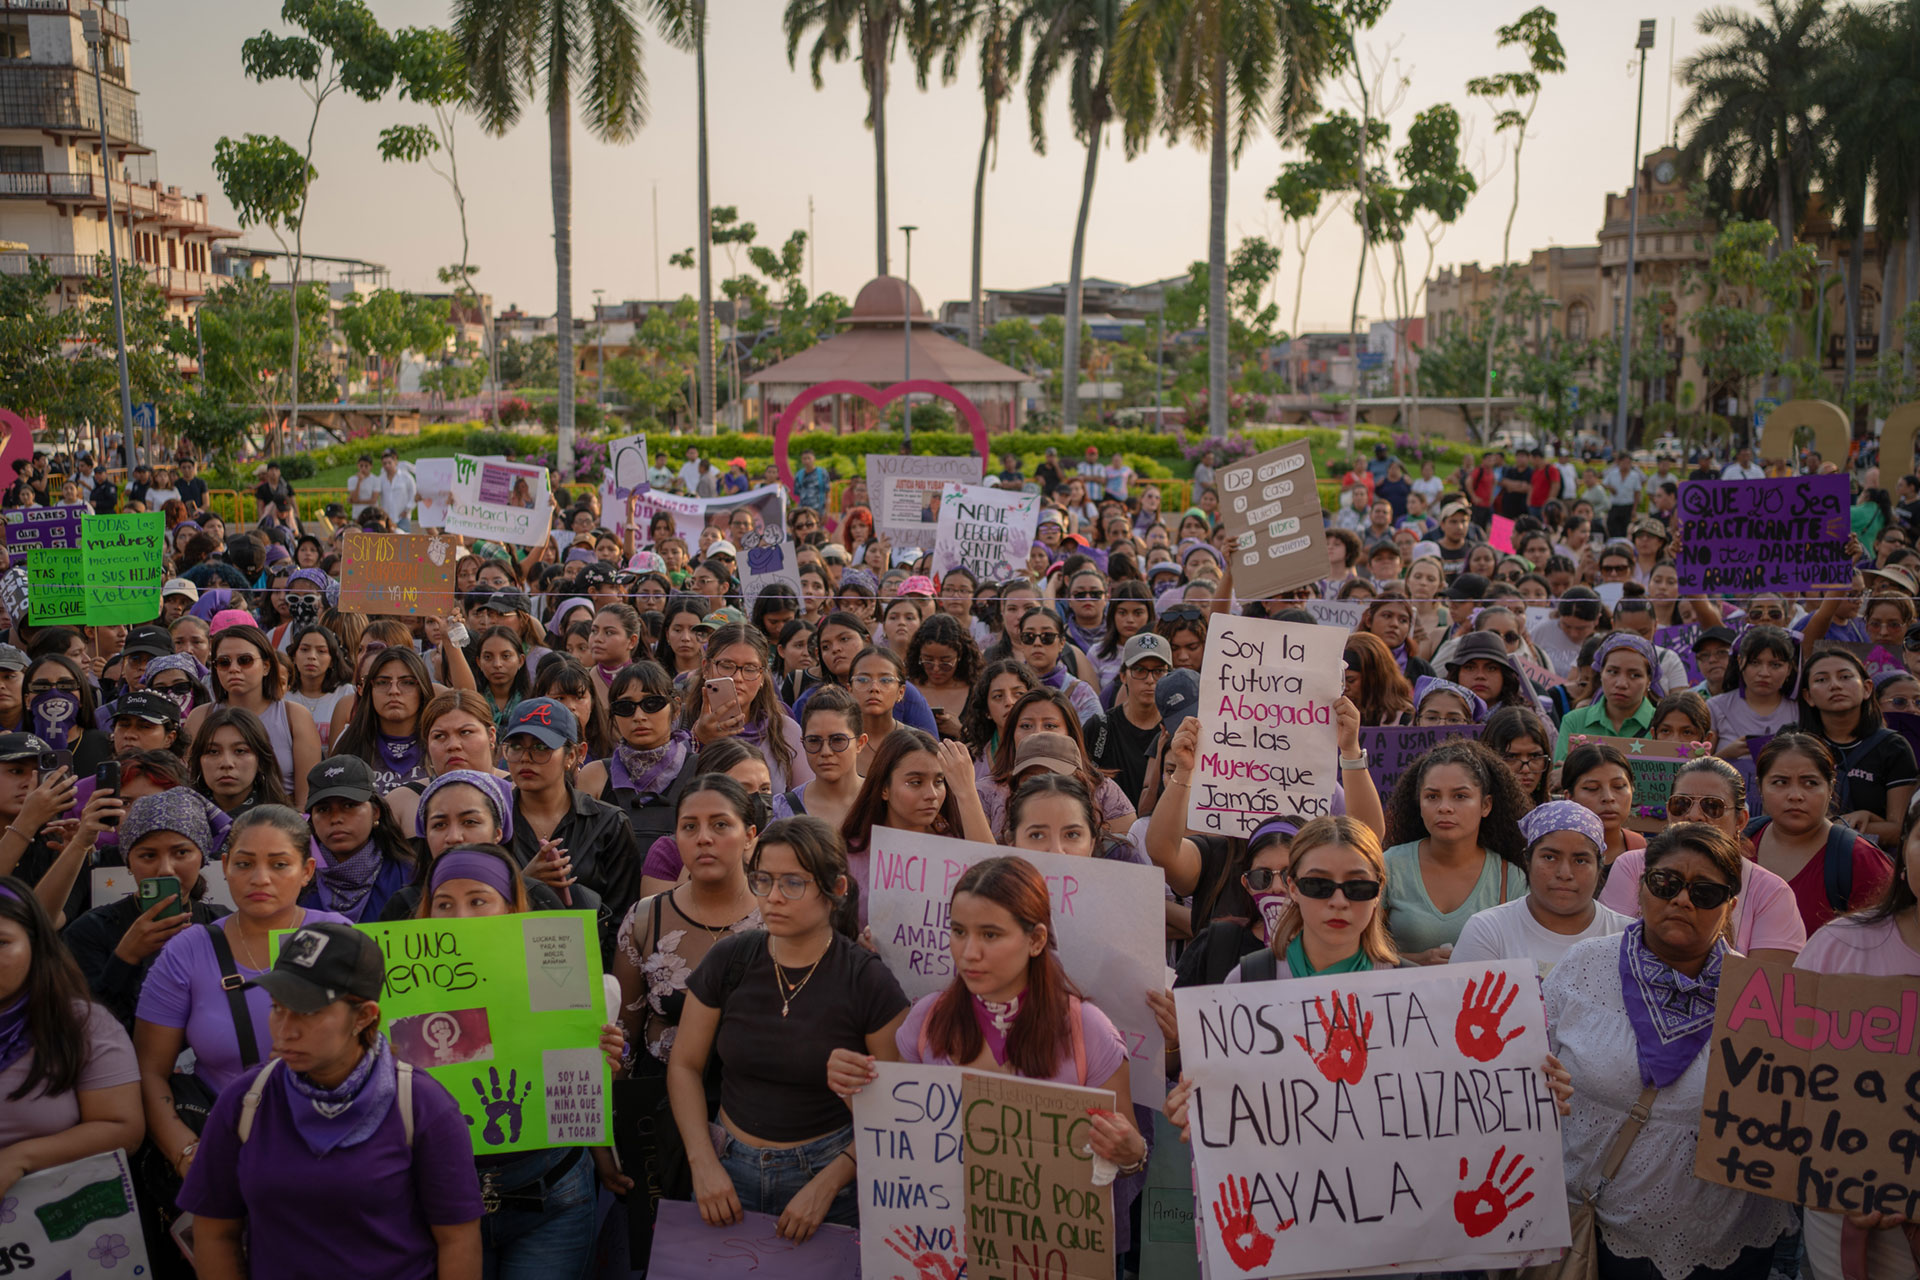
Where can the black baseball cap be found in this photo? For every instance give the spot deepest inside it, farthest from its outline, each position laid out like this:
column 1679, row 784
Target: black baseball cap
column 1468, row 586
column 339, row 778
column 509, row 602
column 1725, row 636
column 150, row 640
column 154, row 708
column 15, row 747
column 320, row 963
column 545, row 719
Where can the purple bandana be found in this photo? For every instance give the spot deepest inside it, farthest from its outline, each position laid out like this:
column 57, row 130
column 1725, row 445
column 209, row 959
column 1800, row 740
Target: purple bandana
column 651, row 770
column 1562, row 815
column 1671, row 1014
column 345, row 882
column 396, row 761
column 996, row 1021
column 1617, row 640
column 16, row 1040
column 494, row 791
column 349, row 1113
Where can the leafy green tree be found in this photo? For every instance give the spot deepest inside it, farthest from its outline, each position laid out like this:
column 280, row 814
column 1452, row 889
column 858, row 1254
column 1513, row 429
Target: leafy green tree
column 521, row 51
column 1249, row 321
column 31, row 335
column 533, row 363
column 654, row 380
column 244, row 327
column 386, row 324
column 267, row 181
column 1435, row 187
column 1745, row 323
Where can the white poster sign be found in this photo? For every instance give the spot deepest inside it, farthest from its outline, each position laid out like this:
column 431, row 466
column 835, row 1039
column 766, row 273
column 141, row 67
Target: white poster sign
column 1372, row 1120
column 500, row 501
column 905, row 491
column 767, row 557
column 764, row 506
column 909, row 1142
column 1102, row 910
column 433, row 490
column 987, row 530
column 1267, row 738
column 1344, row 614
column 76, row 1219
column 626, row 473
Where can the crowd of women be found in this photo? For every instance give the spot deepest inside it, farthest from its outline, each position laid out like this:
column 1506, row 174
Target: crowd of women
column 607, row 725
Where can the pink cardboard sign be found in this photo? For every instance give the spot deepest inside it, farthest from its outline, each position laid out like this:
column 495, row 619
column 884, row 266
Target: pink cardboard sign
column 1500, row 535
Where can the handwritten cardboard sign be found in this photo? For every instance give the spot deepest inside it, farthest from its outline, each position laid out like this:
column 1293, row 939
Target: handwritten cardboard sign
column 505, row 1011
column 124, row 569
column 767, row 556
column 1267, row 739
column 1368, row 1120
column 1743, row 536
column 685, row 1248
column 988, row 531
column 1101, row 911
column 56, row 587
column 1392, row 749
column 905, row 493
column 75, row 1219
column 1654, row 766
column 1032, row 1208
column 30, row 527
column 499, row 501
column 1345, row 614
column 1271, row 505
column 403, row 573
column 912, row 1179
column 1811, row 1081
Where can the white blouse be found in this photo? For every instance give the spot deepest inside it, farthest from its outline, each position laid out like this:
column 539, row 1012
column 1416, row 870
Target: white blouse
column 1655, row 1208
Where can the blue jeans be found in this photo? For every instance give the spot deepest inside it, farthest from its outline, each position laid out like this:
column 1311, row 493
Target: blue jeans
column 766, row 1178
column 552, row 1243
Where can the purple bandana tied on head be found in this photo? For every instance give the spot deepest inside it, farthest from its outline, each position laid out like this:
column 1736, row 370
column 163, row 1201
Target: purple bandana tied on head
column 495, row 791
column 471, row 864
column 1563, row 815
column 1426, row 686
column 1671, row 1014
column 1618, row 640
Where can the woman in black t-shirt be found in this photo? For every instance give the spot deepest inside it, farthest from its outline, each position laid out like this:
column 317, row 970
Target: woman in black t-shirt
column 1876, row 765
column 775, row 1004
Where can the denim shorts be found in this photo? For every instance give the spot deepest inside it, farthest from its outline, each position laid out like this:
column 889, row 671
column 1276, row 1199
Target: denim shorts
column 766, row 1178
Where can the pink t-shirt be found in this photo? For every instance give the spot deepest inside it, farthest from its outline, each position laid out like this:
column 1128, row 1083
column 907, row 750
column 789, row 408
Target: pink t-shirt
column 1106, row 1052
column 1767, row 917
column 1872, row 948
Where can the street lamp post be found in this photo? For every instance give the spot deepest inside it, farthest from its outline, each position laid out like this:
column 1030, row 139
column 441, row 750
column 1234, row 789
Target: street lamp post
column 906, row 310
column 1644, row 43
column 600, row 356
column 97, row 44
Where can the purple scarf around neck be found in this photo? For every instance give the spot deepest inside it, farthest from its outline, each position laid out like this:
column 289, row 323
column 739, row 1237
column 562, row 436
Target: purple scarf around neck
column 350, row 1112
column 651, row 770
column 397, row 756
column 16, row 1039
column 1671, row 1014
column 996, row 1023
column 345, row 882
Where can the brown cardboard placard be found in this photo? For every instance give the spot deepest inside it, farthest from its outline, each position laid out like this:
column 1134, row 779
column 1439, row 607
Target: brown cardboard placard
column 1654, row 765
column 1271, row 504
column 1812, row 1081
column 397, row 573
column 1032, row 1208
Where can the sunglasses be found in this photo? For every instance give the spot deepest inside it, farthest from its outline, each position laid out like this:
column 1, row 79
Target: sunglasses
column 1668, row 885
column 242, row 660
column 1089, row 595
column 1712, row 808
column 174, row 689
column 1319, row 888
column 1261, row 879
column 653, row 704
column 1039, row 637
column 1182, row 613
column 834, row 742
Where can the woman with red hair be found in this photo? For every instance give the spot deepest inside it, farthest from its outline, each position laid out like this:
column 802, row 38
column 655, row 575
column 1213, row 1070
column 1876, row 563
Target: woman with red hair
column 855, row 530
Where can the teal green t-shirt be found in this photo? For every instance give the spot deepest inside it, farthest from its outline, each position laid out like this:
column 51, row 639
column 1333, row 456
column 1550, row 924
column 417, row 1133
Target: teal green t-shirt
column 1416, row 924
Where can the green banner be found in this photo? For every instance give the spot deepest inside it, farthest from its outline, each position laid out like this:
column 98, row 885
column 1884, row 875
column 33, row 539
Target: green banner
column 505, row 1011
column 123, row 567
column 56, row 587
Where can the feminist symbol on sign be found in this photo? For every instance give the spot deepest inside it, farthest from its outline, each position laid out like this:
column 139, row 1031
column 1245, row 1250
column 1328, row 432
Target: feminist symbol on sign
column 441, row 1031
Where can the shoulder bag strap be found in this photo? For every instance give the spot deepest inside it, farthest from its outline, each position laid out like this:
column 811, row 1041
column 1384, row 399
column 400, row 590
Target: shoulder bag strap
column 250, row 1103
column 1623, row 1139
column 234, row 985
column 405, row 1071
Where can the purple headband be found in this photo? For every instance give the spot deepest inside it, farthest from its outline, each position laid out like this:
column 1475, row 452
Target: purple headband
column 471, row 864
column 498, row 798
column 1627, row 640
column 1563, row 815
column 1288, row 826
column 1426, row 686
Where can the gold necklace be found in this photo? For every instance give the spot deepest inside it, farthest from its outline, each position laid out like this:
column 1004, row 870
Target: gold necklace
column 247, row 957
column 789, row 990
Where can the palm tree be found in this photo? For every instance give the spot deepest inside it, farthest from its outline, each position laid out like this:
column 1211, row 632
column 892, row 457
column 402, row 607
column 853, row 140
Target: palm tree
column 1075, row 36
column 684, row 24
column 1216, row 70
column 876, row 24
column 1890, row 74
column 1751, row 106
column 1851, row 119
column 997, row 25
column 516, row 49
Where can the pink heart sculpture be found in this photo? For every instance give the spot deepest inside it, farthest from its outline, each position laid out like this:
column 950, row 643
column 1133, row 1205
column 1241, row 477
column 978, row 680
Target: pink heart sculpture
column 880, row 400
column 16, row 441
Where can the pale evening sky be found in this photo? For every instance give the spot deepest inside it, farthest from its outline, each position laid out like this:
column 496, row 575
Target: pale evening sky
column 776, row 141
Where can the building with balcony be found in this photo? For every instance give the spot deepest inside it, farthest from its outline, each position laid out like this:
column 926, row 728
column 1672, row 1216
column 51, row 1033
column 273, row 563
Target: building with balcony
column 54, row 178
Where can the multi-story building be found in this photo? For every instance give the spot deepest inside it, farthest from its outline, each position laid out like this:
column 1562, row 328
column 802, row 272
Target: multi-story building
column 54, row 179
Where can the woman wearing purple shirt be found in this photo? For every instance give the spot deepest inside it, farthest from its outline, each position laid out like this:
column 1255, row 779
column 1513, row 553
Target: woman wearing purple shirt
column 333, row 1160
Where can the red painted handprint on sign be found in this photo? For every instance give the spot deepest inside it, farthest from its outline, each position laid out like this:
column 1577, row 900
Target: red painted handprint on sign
column 1480, row 1209
column 1247, row 1245
column 1477, row 1029
column 1345, row 1057
column 928, row 1264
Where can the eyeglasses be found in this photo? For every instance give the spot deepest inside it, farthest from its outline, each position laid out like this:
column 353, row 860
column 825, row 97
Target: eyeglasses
column 174, row 689
column 792, row 887
column 62, row 686
column 833, row 742
column 1153, row 673
column 1712, row 809
column 1524, row 759
column 393, row 684
column 1039, row 637
column 1436, row 719
column 653, row 704
column 927, row 660
column 1319, row 888
column 885, row 682
column 1511, row 637
column 1261, row 879
column 1181, row 613
column 1668, row 885
column 748, row 670
column 240, row 660
column 538, row 752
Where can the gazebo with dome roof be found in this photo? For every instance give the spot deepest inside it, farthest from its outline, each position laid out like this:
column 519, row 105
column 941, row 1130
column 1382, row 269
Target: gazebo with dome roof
column 872, row 351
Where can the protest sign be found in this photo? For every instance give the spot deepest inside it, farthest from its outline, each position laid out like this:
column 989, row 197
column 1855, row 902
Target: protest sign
column 505, row 1011
column 1345, row 614
column 75, row 1219
column 1680, row 640
column 124, row 570
column 499, row 501
column 432, row 491
column 1267, row 743
column 626, row 473
column 985, row 530
column 904, row 493
column 912, row 1174
column 1373, row 1119
column 685, row 1248
column 765, row 507
column 1101, row 910
column 1877, row 659
column 31, row 527
column 1032, row 1208
column 1654, row 766
column 1810, row 1088
column 1168, row 1245
column 403, row 573
column 56, row 587
column 1743, row 536
column 1271, row 505
column 1392, row 749
column 1541, row 678
column 767, row 557
column 1500, row 534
